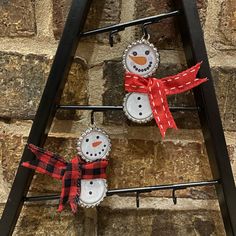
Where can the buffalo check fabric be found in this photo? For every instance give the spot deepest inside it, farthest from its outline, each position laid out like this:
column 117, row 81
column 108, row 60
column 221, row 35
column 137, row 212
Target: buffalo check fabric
column 70, row 173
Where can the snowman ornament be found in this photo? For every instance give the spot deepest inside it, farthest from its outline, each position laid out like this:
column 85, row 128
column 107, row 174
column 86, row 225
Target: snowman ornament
column 141, row 58
column 94, row 144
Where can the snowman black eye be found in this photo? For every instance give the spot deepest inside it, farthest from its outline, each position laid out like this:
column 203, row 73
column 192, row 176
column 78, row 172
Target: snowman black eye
column 97, row 137
column 135, row 53
column 87, row 140
column 147, row 52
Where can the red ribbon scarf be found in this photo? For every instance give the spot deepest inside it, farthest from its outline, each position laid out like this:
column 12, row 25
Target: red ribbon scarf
column 159, row 89
column 69, row 172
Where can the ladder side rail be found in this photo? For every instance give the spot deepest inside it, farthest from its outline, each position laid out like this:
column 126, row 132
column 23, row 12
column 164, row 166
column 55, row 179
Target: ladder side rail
column 46, row 110
column 195, row 51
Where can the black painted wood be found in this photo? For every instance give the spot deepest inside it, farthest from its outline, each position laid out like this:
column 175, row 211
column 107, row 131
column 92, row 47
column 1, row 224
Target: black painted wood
column 46, row 110
column 195, row 51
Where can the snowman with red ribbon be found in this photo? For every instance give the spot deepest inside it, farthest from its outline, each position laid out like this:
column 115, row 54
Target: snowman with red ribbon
column 147, row 96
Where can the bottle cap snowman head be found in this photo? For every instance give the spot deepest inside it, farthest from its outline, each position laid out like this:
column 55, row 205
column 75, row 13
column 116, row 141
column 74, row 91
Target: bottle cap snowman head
column 94, row 144
column 141, row 57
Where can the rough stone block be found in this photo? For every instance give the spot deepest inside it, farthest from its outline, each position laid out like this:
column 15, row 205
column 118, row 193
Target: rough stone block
column 17, row 18
column 165, row 34
column 159, row 222
column 102, row 13
column 22, row 80
column 225, row 84
column 11, row 151
column 43, row 219
column 227, row 23
column 114, row 91
column 136, row 163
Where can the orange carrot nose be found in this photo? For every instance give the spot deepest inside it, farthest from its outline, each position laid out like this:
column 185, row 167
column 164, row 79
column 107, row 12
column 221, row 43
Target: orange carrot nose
column 138, row 60
column 95, row 144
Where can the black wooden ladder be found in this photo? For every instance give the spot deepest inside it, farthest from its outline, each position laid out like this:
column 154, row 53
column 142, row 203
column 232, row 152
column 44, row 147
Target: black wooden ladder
column 187, row 14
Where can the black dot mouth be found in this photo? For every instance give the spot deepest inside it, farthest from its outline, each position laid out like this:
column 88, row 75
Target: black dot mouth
column 100, row 152
column 144, row 69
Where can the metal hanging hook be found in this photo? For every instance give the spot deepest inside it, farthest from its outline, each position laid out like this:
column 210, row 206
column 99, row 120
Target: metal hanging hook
column 174, row 196
column 174, row 193
column 137, row 199
column 111, row 37
column 146, row 35
column 92, row 118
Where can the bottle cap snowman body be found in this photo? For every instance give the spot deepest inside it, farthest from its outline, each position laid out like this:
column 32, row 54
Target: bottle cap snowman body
column 140, row 58
column 92, row 192
column 94, row 144
column 137, row 107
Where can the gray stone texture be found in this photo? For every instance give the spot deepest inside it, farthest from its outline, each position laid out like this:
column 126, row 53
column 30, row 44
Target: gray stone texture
column 158, row 222
column 225, row 84
column 42, row 219
column 165, row 33
column 102, row 13
column 17, row 18
column 227, row 24
column 22, row 81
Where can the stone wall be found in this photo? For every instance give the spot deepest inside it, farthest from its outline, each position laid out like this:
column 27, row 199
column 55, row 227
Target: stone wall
column 29, row 34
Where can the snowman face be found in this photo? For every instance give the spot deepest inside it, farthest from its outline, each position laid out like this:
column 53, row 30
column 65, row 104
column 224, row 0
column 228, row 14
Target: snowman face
column 94, row 144
column 137, row 107
column 141, row 58
column 92, row 192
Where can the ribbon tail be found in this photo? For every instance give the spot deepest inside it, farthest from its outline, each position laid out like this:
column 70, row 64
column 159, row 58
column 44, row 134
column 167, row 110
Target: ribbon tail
column 63, row 200
column 71, row 185
column 183, row 81
column 167, row 120
column 74, row 206
column 160, row 108
column 46, row 162
column 45, row 155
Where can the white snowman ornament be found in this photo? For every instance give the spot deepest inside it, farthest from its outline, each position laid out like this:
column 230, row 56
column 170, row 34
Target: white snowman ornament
column 141, row 58
column 94, row 144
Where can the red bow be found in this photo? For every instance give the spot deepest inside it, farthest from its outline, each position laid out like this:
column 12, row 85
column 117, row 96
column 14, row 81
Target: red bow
column 158, row 89
column 70, row 173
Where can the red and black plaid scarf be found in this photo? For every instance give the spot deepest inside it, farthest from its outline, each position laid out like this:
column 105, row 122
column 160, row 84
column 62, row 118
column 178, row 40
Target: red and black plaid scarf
column 70, row 173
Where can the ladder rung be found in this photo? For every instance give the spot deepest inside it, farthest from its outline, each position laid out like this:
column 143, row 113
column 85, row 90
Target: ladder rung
column 163, row 187
column 134, row 190
column 122, row 26
column 106, row 108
